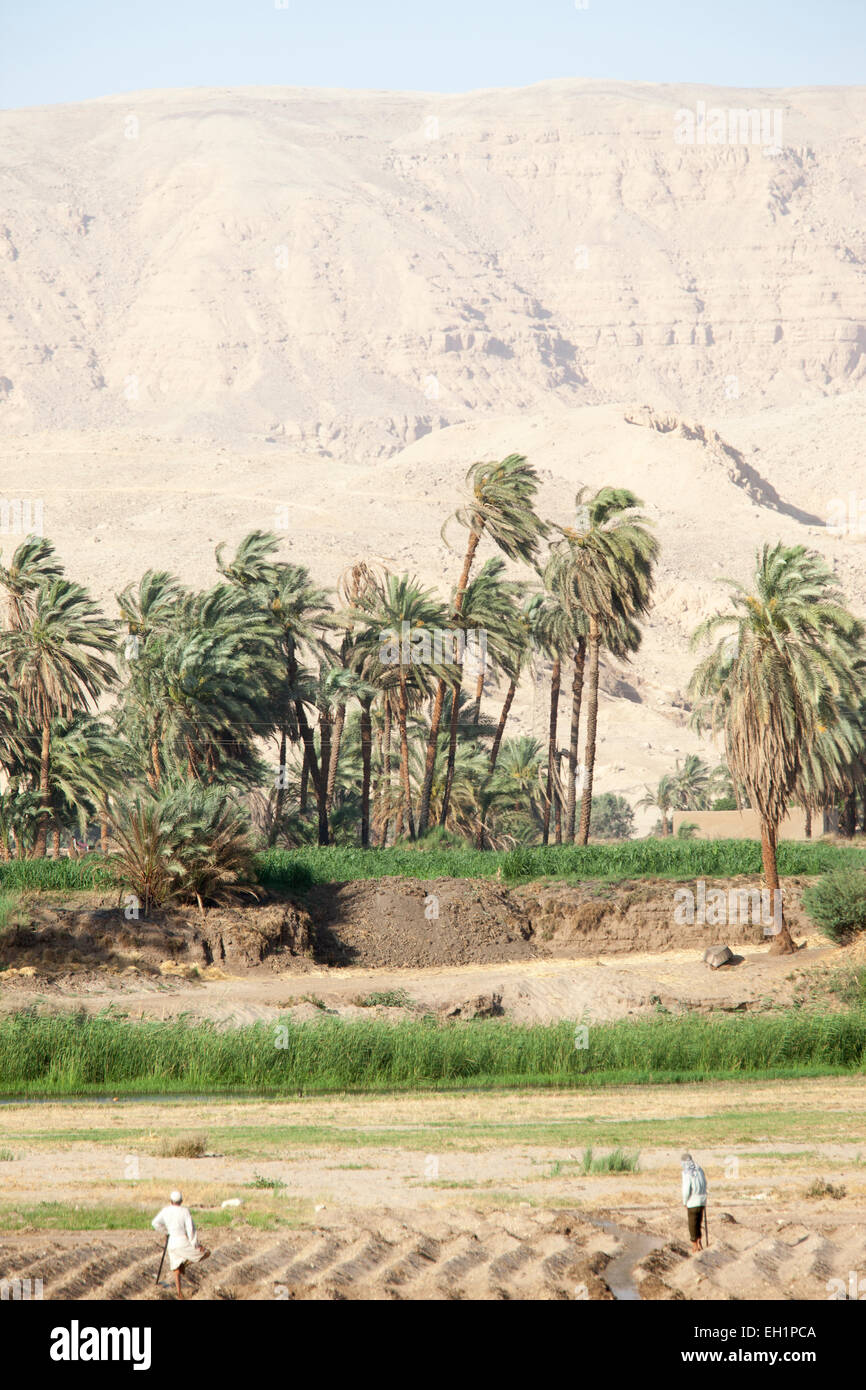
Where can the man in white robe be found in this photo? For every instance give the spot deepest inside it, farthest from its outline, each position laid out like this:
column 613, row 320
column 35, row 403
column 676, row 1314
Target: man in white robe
column 175, row 1221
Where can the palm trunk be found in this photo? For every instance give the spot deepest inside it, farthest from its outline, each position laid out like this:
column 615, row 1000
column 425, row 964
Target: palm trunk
column 322, row 789
column 366, row 759
column 385, row 813
column 339, row 724
column 808, row 829
column 452, row 753
column 500, row 729
column 849, row 817
column 591, row 726
column 665, row 824
column 154, row 776
column 551, row 746
column 55, row 842
column 782, row 943
column 479, row 691
column 305, row 784
column 104, row 832
column 281, row 788
column 404, row 753
column 576, row 698
column 433, row 738
column 44, row 792
column 557, row 804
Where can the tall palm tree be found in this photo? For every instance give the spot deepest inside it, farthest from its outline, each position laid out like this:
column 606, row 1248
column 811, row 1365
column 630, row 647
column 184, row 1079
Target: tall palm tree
column 486, row 613
column 57, row 661
column 398, row 620
column 502, row 507
column 301, row 614
column 556, row 628
column 602, row 569
column 781, row 672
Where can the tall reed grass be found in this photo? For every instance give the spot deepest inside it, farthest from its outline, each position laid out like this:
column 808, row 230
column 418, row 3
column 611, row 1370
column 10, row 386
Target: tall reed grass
column 656, row 858
column 76, row 1054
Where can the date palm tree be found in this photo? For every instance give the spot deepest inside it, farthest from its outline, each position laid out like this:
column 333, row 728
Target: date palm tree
column 602, row 569
column 398, row 620
column 485, row 618
column 57, row 661
column 501, row 506
column 785, row 662
column 662, row 798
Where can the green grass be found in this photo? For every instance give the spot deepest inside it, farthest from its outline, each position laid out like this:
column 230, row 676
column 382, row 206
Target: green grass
column 78, row 1054
column 298, row 870
column 618, row 1161
column 61, row 1216
column 74, row 875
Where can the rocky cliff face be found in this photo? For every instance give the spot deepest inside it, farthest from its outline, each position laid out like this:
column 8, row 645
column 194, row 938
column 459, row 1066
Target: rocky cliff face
column 348, row 271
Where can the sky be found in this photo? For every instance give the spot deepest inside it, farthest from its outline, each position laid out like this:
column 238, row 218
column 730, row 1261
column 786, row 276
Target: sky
column 69, row 50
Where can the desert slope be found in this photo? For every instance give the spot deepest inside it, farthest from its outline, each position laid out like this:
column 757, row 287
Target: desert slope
column 357, row 268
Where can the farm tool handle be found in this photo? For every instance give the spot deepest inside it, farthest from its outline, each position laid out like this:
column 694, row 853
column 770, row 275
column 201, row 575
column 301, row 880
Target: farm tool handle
column 162, row 1261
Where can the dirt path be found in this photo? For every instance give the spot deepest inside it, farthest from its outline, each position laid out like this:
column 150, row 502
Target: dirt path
column 535, row 991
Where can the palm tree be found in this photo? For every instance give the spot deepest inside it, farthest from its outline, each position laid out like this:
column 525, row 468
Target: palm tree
column 779, row 675
column 662, row 798
column 692, row 780
column 487, row 611
column 33, row 564
column 57, row 662
column 501, row 506
column 301, row 614
column 556, row 631
column 603, row 571
column 398, row 620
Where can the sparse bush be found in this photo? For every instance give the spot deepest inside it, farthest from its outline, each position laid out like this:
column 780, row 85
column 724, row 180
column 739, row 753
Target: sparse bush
column 386, row 999
column 617, row 1161
column 837, row 903
column 6, row 1156
column 188, row 1146
column 266, row 1184
column 821, row 1188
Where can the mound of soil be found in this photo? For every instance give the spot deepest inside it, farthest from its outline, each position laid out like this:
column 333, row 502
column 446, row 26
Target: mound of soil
column 588, row 919
column 391, row 922
column 56, row 941
column 387, row 923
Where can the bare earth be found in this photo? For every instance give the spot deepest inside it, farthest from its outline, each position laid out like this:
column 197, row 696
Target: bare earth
column 458, row 1196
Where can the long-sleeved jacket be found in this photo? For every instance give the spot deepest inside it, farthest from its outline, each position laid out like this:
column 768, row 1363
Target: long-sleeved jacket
column 694, row 1187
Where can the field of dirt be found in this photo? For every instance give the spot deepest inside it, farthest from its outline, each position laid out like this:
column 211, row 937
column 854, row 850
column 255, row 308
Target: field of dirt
column 533, row 953
column 469, row 1195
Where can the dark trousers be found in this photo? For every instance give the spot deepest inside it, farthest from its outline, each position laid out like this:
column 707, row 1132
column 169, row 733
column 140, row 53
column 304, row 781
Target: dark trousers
column 696, row 1217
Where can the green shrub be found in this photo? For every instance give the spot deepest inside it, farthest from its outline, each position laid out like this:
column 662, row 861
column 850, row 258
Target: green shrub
column 190, row 844
column 837, row 903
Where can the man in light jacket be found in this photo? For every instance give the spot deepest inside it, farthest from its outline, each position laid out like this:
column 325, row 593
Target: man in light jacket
column 183, row 1247
column 694, row 1199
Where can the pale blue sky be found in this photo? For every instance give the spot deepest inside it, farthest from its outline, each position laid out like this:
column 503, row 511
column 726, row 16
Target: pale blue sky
column 60, row 50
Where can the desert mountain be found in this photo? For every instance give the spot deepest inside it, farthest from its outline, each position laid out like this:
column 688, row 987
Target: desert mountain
column 311, row 311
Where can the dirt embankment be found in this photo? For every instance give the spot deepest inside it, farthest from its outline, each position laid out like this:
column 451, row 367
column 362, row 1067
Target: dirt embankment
column 393, row 924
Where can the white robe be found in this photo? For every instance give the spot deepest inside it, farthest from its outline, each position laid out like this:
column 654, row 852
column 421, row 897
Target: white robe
column 178, row 1225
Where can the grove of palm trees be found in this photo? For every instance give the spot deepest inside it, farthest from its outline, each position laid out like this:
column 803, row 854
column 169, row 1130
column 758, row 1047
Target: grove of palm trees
column 270, row 712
